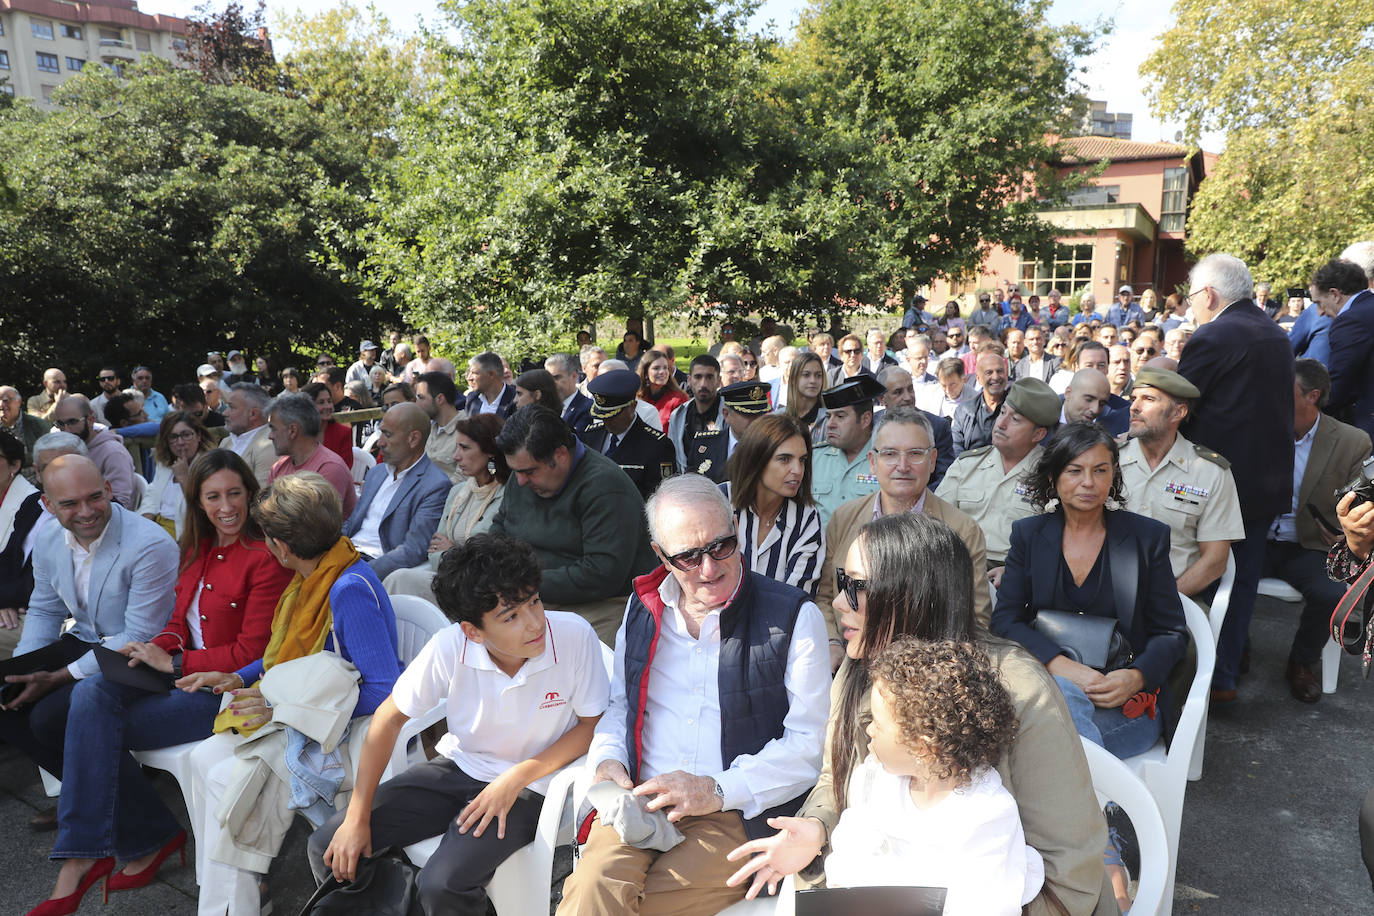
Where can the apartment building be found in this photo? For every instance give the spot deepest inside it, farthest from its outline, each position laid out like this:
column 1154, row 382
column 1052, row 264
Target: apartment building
column 44, row 42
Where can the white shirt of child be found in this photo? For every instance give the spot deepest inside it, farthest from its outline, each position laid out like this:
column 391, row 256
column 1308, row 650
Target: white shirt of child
column 494, row 720
column 970, row 842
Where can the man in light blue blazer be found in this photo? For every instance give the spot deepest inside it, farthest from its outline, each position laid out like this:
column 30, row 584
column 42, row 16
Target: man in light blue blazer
column 402, row 499
column 109, row 569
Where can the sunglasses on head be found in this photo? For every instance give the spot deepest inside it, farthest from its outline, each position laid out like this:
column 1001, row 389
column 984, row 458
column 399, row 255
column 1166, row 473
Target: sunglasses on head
column 849, row 587
column 722, row 548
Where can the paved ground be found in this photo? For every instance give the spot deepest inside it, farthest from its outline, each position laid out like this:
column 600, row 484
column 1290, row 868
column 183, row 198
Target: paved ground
column 1270, row 828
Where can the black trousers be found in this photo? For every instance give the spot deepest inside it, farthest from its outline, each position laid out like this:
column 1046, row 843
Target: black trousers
column 1305, row 570
column 40, row 729
column 424, row 802
column 1367, row 833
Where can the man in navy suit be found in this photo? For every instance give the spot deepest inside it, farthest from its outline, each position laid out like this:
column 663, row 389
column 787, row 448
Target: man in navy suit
column 1242, row 363
column 577, row 407
column 1351, row 340
column 487, row 389
column 402, row 498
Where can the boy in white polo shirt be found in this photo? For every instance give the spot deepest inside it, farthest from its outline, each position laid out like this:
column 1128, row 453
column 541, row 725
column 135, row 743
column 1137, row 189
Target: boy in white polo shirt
column 524, row 689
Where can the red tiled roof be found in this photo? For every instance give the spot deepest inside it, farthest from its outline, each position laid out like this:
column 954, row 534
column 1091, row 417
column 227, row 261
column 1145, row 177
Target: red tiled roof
column 1095, row 149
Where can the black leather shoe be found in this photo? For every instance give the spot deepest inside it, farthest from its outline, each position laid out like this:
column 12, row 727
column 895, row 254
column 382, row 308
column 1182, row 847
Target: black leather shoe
column 44, row 820
column 1223, row 697
column 1245, row 659
column 1303, row 683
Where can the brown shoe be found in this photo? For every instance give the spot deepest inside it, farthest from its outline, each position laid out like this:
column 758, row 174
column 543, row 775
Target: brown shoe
column 1303, row 683
column 44, row 820
column 1223, row 697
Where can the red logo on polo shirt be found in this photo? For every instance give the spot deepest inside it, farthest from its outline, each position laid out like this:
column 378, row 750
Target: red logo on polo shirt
column 552, row 700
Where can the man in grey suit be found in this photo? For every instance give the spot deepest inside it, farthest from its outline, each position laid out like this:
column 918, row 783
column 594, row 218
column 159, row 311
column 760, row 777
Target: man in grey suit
column 402, row 498
column 109, row 569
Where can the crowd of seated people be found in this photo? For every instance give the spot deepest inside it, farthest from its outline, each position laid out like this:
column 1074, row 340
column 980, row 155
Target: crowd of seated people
column 766, row 536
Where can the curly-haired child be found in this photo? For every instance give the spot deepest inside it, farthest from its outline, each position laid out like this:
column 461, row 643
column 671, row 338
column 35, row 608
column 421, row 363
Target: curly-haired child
column 927, row 808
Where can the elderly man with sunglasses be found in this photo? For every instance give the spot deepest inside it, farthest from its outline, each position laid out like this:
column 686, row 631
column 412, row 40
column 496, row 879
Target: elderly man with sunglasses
column 717, row 716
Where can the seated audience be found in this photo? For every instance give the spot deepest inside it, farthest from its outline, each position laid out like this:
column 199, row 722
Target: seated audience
column 438, row 397
column 658, row 387
column 180, row 440
column 852, row 357
column 901, row 393
column 487, row 389
column 424, row 362
column 576, row 406
column 1087, row 559
column 20, row 509
column 191, row 399
column 335, row 436
column 590, row 358
column 712, row 740
column 24, row 427
column 334, row 606
column 470, row 506
column 42, row 404
column 910, row 575
column 290, row 381
column 402, row 498
column 536, row 387
column 361, row 370
column 154, row 404
column 617, row 431
column 709, row 451
column 73, row 415
column 769, row 487
column 483, row 792
column 949, row 393
column 973, row 420
column 1086, row 397
column 805, row 383
column 579, row 511
column 986, row 483
column 840, row 469
column 631, row 350
column 293, row 422
column 1036, row 363
column 226, row 589
column 702, row 412
column 109, row 381
column 246, row 419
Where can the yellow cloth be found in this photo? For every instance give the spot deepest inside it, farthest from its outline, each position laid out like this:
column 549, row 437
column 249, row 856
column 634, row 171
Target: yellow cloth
column 301, row 622
column 170, row 524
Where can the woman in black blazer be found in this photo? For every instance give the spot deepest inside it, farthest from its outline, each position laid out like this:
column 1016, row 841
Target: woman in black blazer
column 1084, row 556
column 19, row 512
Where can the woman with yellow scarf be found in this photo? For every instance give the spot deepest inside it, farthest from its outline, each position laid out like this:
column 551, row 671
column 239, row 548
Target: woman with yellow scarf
column 334, row 603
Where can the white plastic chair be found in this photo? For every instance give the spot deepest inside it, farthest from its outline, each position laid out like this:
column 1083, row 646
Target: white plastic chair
column 523, row 883
column 1221, row 602
column 1166, row 773
column 1331, row 652
column 1113, row 781
column 362, row 463
column 416, row 621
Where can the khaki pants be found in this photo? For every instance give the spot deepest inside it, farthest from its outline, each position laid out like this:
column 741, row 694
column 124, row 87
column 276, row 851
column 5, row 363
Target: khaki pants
column 687, row 880
column 604, row 615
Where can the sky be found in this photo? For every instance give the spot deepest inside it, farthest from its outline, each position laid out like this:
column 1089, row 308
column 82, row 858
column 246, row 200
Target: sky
column 1111, row 73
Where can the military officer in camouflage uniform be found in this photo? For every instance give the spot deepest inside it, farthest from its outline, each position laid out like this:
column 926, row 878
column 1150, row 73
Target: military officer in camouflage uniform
column 617, row 432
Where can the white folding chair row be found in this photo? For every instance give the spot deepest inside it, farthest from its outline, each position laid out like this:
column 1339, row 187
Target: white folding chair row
column 1331, row 652
column 1114, row 781
column 523, row 883
column 1165, row 773
column 1221, row 602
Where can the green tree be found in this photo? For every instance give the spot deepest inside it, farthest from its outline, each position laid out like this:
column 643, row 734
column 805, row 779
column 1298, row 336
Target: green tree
column 231, row 47
column 159, row 217
column 1290, row 85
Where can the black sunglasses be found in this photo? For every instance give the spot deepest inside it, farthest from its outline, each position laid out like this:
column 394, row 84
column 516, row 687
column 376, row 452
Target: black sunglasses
column 850, row 587
column 719, row 549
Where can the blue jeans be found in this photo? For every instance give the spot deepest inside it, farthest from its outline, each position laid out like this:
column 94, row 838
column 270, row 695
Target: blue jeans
column 108, row 807
column 1109, row 729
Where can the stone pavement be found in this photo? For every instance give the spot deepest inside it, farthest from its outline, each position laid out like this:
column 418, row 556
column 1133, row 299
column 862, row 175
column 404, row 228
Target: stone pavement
column 1270, row 829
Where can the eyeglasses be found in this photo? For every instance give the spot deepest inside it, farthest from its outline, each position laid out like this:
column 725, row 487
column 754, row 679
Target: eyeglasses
column 722, row 548
column 107, row 378
column 1144, row 351
column 749, row 364
column 1058, row 345
column 181, row 437
column 894, row 456
column 850, row 351
column 850, row 587
column 74, row 421
column 1189, row 298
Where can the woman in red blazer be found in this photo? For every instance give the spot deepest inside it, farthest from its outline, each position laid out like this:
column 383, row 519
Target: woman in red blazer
column 222, row 619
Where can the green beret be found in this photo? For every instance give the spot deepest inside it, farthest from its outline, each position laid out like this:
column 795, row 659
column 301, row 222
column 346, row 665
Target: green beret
column 1167, row 381
column 1035, row 401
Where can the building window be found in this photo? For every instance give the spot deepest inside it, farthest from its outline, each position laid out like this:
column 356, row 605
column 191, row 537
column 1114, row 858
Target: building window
column 179, row 44
column 4, row 60
column 7, row 89
column 116, row 69
column 1072, row 269
column 47, row 92
column 1174, row 209
column 1095, row 195
column 142, row 41
column 42, row 28
column 2, row 27
column 75, row 64
column 47, row 62
column 71, row 31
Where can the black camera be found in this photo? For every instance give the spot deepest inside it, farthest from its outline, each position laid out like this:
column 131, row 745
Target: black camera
column 1362, row 486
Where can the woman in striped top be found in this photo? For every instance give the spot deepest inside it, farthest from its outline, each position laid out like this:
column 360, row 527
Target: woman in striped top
column 780, row 531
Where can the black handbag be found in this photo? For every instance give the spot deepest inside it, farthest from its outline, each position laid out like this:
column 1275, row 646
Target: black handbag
column 384, row 886
column 1086, row 638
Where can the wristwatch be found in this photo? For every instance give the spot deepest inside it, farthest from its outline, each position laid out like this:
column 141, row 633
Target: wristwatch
column 176, row 666
column 720, row 792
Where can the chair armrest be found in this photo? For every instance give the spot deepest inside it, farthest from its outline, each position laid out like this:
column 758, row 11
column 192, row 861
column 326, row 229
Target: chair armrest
column 400, row 754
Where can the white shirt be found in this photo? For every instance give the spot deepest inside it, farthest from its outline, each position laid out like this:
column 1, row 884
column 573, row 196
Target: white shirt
column 197, row 640
column 83, row 558
column 1285, row 527
column 682, row 720
column 368, row 540
column 485, row 406
column 485, row 705
column 244, row 441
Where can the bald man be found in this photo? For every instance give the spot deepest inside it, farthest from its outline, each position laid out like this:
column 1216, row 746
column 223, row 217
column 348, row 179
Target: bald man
column 54, row 390
column 1086, row 397
column 108, row 569
column 402, row 498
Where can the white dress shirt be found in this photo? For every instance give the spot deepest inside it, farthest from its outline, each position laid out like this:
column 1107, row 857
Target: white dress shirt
column 368, row 540
column 682, row 713
column 83, row 558
column 244, row 441
column 1285, row 527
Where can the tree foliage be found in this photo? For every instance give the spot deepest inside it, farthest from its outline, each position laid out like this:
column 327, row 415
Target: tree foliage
column 230, row 48
column 1291, row 86
column 159, row 217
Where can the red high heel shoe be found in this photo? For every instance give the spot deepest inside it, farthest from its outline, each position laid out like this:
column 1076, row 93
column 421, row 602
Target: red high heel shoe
column 63, row 906
column 122, row 882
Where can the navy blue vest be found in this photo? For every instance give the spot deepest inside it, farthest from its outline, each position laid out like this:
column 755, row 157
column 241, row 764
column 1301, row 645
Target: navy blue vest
column 755, row 635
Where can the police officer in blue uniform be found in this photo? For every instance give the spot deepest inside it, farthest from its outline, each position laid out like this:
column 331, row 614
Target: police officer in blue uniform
column 617, row 432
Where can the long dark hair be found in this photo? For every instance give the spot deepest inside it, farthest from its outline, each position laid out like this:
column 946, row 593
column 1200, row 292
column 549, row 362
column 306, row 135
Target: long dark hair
column 920, row 583
column 198, row 531
column 794, row 372
column 483, row 430
column 648, row 359
column 761, row 440
column 1072, row 440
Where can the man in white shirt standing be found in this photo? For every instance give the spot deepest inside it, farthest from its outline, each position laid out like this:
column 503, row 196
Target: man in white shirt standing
column 246, row 419
column 694, row 723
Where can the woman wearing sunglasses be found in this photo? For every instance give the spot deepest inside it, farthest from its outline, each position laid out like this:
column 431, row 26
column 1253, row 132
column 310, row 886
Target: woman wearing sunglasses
column 909, row 575
column 769, row 488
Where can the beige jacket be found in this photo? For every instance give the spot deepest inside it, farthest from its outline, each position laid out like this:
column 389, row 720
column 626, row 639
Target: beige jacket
column 1044, row 770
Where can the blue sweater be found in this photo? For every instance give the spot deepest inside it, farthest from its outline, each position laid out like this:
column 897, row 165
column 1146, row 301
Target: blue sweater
column 365, row 625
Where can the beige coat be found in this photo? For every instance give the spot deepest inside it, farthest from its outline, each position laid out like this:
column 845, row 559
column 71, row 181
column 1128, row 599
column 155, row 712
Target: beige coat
column 1044, row 770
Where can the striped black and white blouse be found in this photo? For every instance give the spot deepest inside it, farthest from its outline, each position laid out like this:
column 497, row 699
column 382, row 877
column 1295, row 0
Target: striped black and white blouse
column 792, row 552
